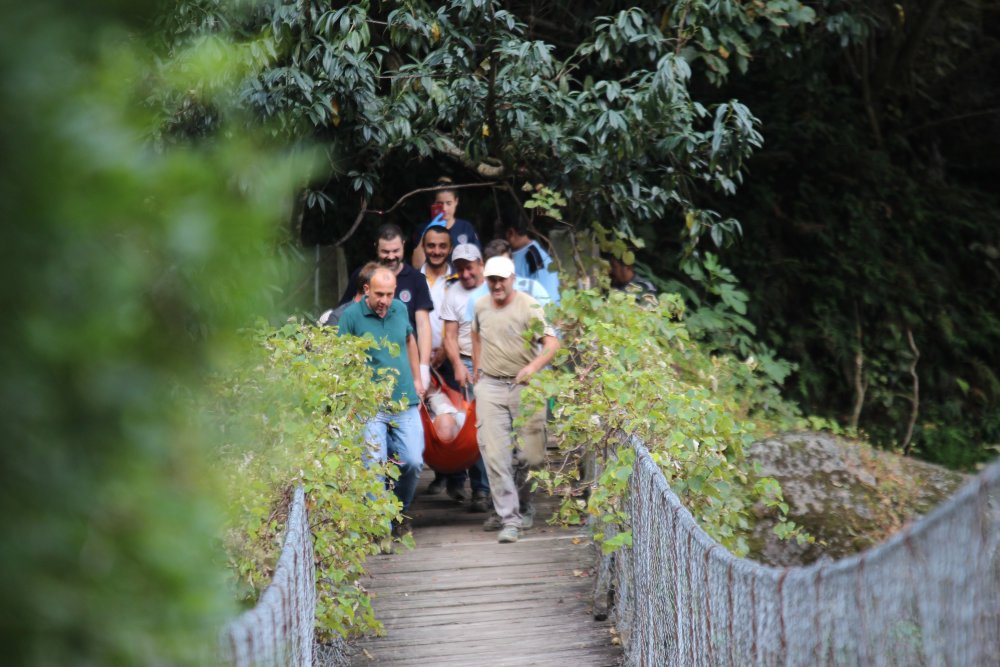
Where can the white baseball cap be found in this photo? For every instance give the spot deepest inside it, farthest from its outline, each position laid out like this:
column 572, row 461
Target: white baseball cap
column 499, row 266
column 467, row 251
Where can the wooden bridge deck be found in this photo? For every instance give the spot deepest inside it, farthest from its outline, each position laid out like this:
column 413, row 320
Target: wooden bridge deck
column 461, row 598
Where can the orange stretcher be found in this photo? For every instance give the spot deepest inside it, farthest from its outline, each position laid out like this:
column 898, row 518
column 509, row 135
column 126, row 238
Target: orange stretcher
column 458, row 454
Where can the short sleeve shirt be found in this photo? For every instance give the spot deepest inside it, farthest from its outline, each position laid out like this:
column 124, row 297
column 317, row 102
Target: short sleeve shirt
column 441, row 287
column 411, row 289
column 532, row 261
column 502, row 350
column 463, row 232
column 456, row 309
column 360, row 320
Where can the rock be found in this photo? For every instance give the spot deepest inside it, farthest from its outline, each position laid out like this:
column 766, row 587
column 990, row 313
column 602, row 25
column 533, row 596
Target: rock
column 844, row 493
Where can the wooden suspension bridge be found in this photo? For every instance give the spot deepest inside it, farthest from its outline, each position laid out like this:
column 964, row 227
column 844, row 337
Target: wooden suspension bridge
column 461, row 598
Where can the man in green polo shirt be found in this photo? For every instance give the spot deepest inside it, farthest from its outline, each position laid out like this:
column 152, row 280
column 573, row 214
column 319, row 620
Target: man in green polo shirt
column 398, row 433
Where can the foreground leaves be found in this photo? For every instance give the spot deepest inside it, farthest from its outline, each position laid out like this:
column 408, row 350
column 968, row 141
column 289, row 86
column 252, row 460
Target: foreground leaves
column 293, row 412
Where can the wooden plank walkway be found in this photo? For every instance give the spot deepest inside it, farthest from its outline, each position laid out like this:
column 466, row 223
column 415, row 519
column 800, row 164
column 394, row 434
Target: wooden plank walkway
column 461, row 598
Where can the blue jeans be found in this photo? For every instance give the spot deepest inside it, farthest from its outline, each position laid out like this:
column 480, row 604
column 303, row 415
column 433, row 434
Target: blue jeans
column 401, row 436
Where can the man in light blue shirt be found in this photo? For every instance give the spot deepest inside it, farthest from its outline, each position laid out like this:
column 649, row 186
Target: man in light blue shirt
column 530, row 260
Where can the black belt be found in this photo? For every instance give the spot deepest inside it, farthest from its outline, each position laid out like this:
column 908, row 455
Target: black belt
column 502, row 378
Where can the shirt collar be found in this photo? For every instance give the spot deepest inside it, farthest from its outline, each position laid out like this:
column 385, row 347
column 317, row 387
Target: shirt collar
column 450, row 273
column 368, row 312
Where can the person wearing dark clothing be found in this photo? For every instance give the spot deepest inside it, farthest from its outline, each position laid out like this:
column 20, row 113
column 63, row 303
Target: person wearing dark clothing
column 411, row 290
column 624, row 278
column 444, row 207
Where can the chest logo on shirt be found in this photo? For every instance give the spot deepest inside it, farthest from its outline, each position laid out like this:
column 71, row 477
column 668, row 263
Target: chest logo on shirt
column 405, row 296
column 463, row 238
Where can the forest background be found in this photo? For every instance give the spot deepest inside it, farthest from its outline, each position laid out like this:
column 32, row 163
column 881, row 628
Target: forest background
column 839, row 157
column 816, row 179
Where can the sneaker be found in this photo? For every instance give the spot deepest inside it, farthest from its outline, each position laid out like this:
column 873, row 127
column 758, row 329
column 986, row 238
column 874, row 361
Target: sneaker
column 528, row 517
column 437, row 486
column 403, row 527
column 509, row 534
column 481, row 502
column 492, row 522
column 456, row 493
column 387, row 546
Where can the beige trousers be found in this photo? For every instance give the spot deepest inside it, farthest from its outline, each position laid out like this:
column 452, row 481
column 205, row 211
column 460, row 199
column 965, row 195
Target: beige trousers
column 507, row 452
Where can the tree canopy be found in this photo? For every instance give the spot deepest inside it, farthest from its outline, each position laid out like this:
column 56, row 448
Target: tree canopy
column 648, row 120
column 594, row 102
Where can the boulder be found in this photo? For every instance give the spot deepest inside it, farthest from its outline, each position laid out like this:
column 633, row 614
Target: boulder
column 847, row 495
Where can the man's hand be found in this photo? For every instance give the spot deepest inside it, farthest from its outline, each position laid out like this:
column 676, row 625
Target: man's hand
column 524, row 374
column 419, row 386
column 461, row 375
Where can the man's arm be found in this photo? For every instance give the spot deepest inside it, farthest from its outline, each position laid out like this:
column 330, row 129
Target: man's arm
column 550, row 281
column 412, row 356
column 454, row 354
column 475, row 355
column 423, row 342
column 550, row 345
column 547, row 278
column 345, row 326
column 418, row 258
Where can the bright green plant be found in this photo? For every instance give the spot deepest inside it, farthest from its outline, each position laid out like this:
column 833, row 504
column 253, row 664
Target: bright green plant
column 547, row 202
column 627, row 372
column 293, row 412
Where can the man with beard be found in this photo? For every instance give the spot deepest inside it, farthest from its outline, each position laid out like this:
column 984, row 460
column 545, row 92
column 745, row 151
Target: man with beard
column 436, row 245
column 395, row 433
column 411, row 289
column 503, row 363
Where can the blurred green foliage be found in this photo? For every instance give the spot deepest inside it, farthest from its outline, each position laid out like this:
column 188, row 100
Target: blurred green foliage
column 124, row 269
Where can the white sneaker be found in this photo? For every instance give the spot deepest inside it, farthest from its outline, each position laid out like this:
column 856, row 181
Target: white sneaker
column 509, row 534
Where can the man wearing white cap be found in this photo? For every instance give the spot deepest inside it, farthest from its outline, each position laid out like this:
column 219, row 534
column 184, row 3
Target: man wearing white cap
column 503, row 363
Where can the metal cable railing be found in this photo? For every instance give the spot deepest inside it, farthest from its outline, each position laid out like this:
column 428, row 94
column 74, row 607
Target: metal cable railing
column 278, row 631
column 930, row 595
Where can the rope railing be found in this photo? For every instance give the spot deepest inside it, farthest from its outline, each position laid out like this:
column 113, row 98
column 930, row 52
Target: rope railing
column 930, row 595
column 278, row 631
